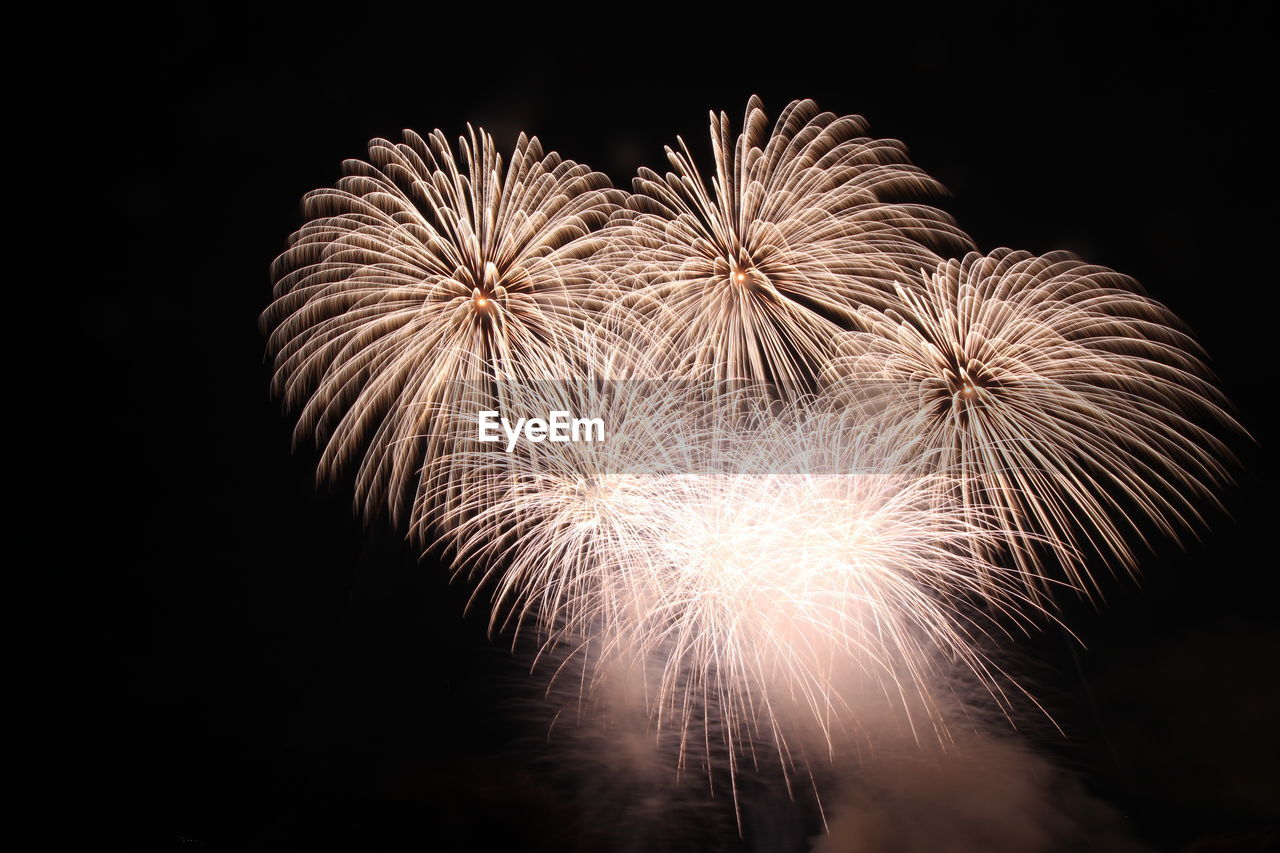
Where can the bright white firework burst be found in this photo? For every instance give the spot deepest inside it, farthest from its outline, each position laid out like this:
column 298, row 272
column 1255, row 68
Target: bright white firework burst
column 752, row 275
column 423, row 278
column 758, row 582
column 1069, row 404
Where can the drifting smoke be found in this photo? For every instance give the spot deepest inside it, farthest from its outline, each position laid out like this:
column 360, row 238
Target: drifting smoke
column 983, row 792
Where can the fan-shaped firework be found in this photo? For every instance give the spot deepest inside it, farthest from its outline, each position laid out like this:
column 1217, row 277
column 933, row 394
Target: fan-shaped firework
column 1066, row 400
column 753, row 275
column 421, row 278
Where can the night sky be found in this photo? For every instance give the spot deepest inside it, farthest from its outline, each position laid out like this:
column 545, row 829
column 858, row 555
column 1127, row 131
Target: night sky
column 212, row 653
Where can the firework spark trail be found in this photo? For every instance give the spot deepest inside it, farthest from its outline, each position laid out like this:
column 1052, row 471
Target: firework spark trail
column 747, row 579
column 420, row 278
column 773, row 590
column 752, row 274
column 1070, row 404
column 542, row 526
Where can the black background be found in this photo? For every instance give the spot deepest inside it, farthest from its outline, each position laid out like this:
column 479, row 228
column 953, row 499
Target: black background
column 216, row 655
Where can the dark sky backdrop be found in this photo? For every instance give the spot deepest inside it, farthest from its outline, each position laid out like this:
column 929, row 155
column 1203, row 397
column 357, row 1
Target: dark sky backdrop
column 217, row 656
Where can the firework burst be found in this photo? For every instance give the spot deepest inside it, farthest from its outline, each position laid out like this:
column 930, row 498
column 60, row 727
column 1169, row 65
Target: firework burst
column 1067, row 402
column 752, row 274
column 755, row 584
column 425, row 279
column 543, row 526
column 794, row 601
